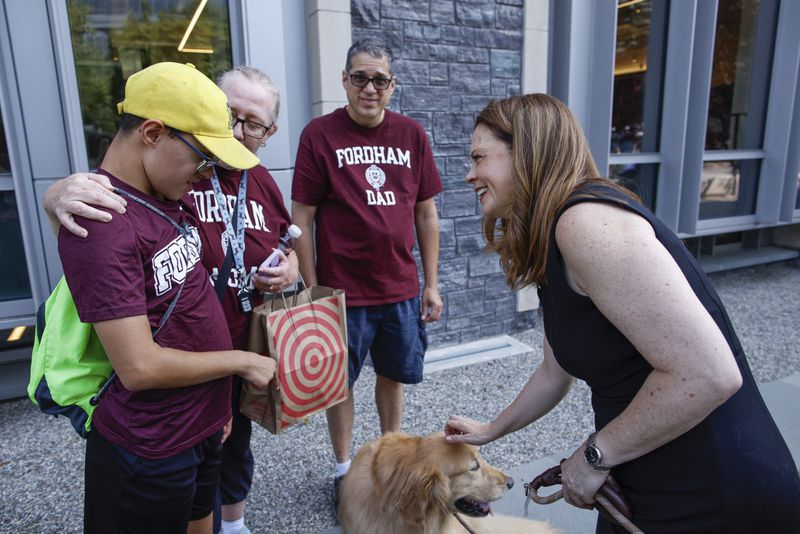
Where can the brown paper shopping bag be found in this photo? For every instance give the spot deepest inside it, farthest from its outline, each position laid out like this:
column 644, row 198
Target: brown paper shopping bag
column 306, row 333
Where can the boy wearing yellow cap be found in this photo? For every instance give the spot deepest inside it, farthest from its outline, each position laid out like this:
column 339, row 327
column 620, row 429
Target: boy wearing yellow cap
column 153, row 456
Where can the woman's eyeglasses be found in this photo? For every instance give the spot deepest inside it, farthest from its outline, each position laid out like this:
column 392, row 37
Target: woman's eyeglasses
column 380, row 83
column 252, row 128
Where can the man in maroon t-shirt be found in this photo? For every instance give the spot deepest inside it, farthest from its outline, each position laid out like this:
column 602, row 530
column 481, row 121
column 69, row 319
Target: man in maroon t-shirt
column 366, row 179
column 153, row 456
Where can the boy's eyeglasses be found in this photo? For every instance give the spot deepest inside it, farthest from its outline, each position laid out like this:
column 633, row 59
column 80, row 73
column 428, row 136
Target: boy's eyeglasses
column 380, row 83
column 252, row 128
column 205, row 161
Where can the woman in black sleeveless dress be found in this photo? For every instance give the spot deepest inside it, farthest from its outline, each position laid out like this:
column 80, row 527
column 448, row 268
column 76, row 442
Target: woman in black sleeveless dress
column 680, row 422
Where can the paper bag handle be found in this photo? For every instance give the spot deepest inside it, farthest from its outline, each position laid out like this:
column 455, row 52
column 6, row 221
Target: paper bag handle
column 310, row 301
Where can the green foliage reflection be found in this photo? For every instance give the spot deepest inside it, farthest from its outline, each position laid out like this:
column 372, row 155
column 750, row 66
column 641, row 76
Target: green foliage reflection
column 110, row 42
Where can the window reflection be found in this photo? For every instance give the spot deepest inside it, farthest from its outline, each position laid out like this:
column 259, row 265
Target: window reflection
column 728, row 188
column 17, row 337
column 637, row 76
column 14, row 282
column 740, row 74
column 113, row 39
column 639, row 178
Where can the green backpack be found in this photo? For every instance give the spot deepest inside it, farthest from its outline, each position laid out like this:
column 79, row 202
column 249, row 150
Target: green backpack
column 70, row 371
column 69, row 365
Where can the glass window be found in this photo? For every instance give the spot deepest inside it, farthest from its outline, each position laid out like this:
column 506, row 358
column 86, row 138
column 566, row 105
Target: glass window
column 797, row 202
column 639, row 178
column 728, row 188
column 14, row 282
column 740, row 74
column 641, row 29
column 112, row 40
column 5, row 164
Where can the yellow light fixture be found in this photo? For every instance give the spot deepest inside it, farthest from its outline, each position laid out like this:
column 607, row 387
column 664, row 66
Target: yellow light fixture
column 629, row 3
column 190, row 29
column 16, row 334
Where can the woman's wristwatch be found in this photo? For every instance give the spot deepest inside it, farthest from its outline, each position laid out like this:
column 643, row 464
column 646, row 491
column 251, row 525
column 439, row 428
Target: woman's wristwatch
column 592, row 454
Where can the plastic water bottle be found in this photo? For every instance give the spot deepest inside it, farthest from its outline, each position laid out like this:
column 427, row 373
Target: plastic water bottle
column 285, row 245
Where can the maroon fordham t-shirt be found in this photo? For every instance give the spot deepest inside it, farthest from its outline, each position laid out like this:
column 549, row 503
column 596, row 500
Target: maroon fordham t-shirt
column 133, row 266
column 266, row 219
column 365, row 183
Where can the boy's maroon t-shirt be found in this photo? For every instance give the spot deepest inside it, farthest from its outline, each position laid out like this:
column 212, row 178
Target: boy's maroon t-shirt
column 365, row 183
column 134, row 265
column 265, row 220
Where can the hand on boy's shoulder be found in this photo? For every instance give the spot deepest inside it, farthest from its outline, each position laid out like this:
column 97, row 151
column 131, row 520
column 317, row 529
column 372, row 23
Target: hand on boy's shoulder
column 85, row 195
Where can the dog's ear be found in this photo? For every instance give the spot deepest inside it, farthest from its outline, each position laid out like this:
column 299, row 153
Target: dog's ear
column 424, row 496
column 409, row 485
column 437, row 493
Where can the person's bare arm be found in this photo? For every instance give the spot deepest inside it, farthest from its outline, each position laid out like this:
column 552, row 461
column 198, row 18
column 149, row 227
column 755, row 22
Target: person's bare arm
column 614, row 257
column 140, row 363
column 543, row 391
column 78, row 194
column 426, row 222
column 303, row 216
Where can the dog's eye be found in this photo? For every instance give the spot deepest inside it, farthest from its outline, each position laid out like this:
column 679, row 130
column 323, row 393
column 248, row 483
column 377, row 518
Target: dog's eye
column 475, row 467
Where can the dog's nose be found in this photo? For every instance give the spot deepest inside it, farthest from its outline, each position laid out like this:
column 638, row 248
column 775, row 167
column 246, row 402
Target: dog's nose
column 510, row 482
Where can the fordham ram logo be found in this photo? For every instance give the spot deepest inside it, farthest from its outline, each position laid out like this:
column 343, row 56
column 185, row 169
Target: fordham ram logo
column 376, row 178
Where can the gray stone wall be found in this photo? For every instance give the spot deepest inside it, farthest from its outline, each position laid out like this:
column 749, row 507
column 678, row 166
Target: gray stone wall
column 451, row 58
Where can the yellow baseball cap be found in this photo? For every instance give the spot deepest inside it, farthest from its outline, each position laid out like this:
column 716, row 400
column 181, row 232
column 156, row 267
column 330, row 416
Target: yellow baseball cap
column 185, row 99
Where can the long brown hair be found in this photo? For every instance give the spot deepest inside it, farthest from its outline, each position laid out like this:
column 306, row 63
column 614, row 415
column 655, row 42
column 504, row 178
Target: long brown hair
column 551, row 158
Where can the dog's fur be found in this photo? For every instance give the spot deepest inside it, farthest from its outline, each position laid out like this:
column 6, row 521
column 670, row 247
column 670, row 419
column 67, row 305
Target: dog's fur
column 401, row 484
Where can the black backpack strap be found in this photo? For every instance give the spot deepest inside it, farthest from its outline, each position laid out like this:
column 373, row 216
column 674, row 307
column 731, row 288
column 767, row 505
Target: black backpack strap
column 40, row 320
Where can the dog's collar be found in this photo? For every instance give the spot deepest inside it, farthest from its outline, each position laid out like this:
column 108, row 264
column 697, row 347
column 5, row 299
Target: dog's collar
column 463, row 523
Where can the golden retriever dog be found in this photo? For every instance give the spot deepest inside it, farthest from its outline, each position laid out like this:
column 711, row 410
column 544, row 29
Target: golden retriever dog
column 401, row 484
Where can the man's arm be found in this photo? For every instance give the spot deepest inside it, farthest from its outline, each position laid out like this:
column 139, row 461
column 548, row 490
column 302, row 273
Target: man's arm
column 140, row 363
column 76, row 195
column 427, row 224
column 303, row 217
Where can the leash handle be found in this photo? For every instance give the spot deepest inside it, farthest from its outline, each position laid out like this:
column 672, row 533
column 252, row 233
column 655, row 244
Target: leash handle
column 610, row 501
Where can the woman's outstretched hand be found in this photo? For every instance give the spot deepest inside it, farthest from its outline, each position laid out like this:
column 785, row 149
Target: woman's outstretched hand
column 459, row 429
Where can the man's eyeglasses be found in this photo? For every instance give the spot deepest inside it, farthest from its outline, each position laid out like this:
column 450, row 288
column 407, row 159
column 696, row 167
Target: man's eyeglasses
column 380, row 83
column 252, row 128
column 205, row 161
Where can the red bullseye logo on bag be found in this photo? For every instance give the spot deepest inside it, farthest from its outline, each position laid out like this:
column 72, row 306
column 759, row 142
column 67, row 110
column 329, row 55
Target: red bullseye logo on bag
column 312, row 370
column 306, row 333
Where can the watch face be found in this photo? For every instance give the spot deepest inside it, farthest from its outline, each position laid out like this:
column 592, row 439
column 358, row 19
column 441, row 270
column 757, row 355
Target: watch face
column 592, row 455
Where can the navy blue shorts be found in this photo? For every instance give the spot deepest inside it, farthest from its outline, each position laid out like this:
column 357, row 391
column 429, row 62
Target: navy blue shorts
column 128, row 493
column 393, row 334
